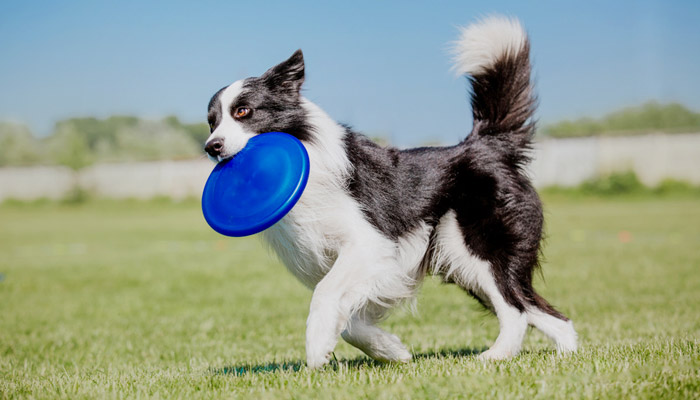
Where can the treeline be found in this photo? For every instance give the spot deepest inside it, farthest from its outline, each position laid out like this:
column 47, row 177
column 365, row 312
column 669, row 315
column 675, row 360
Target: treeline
column 647, row 118
column 79, row 142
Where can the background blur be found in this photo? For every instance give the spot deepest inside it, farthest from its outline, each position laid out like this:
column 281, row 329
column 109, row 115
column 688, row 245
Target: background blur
column 101, row 97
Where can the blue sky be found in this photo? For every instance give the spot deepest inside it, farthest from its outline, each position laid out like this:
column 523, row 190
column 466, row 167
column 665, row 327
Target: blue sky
column 381, row 66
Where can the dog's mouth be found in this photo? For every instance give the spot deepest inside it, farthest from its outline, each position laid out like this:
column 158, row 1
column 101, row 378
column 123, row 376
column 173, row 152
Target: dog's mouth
column 223, row 155
column 220, row 158
column 227, row 157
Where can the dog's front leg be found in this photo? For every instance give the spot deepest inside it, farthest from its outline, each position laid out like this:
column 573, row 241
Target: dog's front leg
column 335, row 298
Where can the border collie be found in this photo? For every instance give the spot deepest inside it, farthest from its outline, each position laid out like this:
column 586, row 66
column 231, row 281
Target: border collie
column 373, row 221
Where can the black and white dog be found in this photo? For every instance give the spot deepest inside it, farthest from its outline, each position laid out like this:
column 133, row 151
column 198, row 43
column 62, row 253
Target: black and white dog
column 373, row 221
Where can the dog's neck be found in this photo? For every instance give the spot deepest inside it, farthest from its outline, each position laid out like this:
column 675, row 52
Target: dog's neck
column 329, row 161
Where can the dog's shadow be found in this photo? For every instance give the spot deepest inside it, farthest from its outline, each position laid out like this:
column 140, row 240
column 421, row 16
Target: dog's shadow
column 355, row 363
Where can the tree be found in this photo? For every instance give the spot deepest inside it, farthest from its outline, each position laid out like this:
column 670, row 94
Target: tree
column 17, row 145
column 649, row 117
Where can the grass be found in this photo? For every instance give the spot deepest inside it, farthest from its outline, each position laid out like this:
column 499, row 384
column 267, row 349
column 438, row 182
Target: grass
column 133, row 299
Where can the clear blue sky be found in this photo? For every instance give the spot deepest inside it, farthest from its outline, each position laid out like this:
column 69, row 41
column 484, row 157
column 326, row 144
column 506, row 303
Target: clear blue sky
column 381, row 66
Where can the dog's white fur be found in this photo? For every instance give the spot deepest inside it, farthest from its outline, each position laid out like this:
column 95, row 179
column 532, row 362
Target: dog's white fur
column 357, row 273
column 482, row 43
column 236, row 135
column 326, row 242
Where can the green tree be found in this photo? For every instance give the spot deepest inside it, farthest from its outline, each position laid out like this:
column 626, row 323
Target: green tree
column 69, row 147
column 649, row 117
column 199, row 132
column 18, row 146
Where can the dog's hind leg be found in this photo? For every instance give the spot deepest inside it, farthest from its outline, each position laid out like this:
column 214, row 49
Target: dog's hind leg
column 375, row 342
column 458, row 265
column 512, row 325
column 512, row 322
column 553, row 324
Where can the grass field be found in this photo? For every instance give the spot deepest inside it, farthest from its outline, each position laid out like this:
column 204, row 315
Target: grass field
column 135, row 299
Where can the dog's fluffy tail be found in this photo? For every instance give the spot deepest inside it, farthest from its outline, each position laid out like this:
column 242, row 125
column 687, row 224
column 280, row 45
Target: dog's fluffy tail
column 494, row 54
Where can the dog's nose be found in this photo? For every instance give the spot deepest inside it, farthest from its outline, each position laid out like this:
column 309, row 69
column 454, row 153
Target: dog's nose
column 213, row 148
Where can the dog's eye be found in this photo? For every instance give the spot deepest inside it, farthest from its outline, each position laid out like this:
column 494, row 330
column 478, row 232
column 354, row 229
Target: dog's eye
column 241, row 112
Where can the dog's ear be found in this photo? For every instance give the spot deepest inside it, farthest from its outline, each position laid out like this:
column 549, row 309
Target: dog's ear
column 288, row 75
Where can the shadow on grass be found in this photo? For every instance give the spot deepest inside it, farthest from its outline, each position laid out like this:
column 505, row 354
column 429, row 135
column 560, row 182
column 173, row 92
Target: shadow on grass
column 295, row 366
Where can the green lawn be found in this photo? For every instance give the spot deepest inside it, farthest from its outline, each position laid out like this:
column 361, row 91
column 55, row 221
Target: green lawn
column 133, row 299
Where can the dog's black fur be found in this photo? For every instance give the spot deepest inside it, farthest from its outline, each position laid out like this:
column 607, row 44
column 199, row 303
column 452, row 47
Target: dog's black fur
column 481, row 178
column 273, row 99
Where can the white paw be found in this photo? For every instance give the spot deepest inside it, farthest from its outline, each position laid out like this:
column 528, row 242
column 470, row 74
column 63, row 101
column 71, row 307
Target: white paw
column 567, row 346
column 319, row 353
column 391, row 349
column 404, row 356
column 495, row 354
column 391, row 355
column 315, row 362
column 567, row 341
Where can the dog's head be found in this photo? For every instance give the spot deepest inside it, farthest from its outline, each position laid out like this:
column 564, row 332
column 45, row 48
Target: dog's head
column 249, row 107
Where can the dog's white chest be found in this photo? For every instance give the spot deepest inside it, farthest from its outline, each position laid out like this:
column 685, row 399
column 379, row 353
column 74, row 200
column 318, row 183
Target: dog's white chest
column 302, row 242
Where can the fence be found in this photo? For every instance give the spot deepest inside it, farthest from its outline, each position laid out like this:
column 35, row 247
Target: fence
column 568, row 162
column 564, row 162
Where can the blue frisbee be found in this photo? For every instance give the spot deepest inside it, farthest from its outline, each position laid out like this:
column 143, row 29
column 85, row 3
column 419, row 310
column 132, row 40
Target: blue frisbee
column 257, row 187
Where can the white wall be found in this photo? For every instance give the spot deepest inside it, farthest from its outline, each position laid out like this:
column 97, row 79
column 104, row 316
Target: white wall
column 176, row 179
column 565, row 162
column 29, row 183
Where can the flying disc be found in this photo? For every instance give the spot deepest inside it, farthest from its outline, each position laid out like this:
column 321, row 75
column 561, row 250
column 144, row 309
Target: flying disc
column 257, row 187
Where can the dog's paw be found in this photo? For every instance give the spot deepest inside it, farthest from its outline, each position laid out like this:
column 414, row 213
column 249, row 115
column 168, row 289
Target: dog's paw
column 403, row 356
column 567, row 339
column 388, row 348
column 317, row 361
column 321, row 340
column 319, row 352
column 495, row 355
